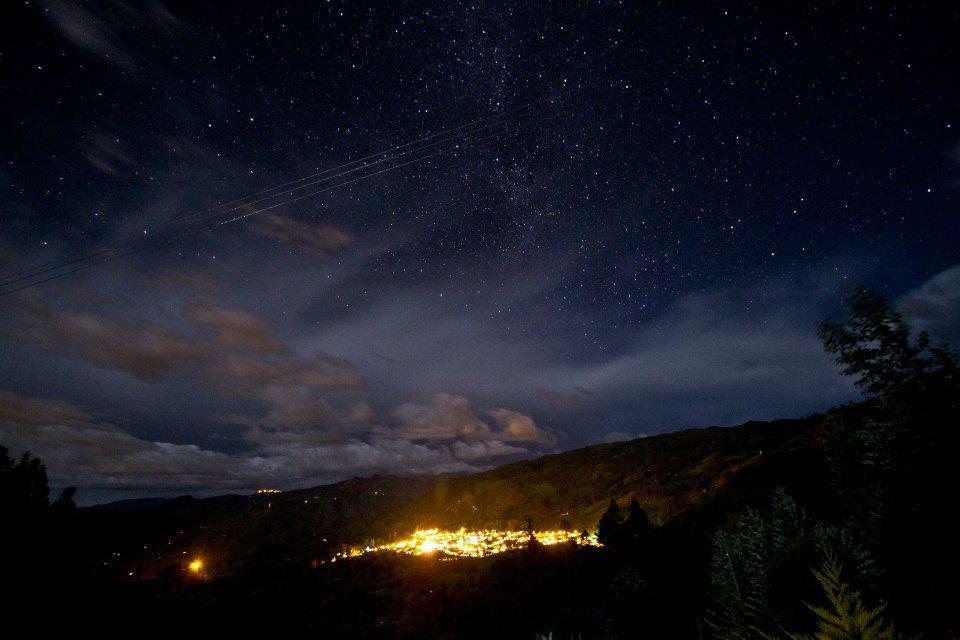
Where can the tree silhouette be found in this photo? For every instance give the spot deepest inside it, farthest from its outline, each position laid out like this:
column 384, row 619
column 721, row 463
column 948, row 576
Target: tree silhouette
column 609, row 524
column 64, row 505
column 24, row 501
column 532, row 542
column 24, row 491
column 873, row 344
column 637, row 523
column 886, row 458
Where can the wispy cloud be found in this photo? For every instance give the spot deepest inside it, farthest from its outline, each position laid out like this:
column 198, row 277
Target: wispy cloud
column 320, row 240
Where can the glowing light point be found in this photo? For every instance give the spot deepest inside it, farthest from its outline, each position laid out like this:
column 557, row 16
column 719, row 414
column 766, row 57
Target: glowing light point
column 196, row 566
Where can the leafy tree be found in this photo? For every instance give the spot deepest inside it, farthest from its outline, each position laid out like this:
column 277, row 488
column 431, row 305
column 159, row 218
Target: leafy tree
column 758, row 564
column 887, row 461
column 873, row 343
column 845, row 617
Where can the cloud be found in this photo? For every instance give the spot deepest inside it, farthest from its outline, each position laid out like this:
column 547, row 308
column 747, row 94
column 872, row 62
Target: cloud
column 237, row 329
column 188, row 282
column 935, row 306
column 256, row 374
column 107, row 154
column 517, row 427
column 710, row 359
column 557, row 399
column 319, row 240
column 485, row 450
column 122, row 34
column 99, row 457
column 22, row 411
column 230, row 352
column 444, row 417
column 450, row 417
column 88, row 32
column 144, row 350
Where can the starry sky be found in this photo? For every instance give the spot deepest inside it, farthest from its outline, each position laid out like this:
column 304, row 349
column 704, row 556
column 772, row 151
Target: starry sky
column 609, row 220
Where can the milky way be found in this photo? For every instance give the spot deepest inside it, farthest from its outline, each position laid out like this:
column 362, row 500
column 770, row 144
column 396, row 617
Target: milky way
column 673, row 200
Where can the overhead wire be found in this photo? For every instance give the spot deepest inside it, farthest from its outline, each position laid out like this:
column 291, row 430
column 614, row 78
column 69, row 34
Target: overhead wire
column 28, row 278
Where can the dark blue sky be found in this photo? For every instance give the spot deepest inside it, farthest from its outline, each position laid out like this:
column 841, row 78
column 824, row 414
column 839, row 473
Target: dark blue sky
column 646, row 244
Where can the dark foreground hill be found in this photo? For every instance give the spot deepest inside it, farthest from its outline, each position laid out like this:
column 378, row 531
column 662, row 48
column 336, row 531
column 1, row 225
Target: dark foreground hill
column 670, row 475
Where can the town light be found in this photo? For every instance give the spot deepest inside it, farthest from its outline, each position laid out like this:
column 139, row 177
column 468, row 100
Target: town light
column 463, row 543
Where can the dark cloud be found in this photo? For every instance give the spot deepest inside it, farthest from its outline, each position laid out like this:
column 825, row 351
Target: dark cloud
column 190, row 283
column 237, row 329
column 27, row 412
column 558, row 400
column 228, row 351
column 144, row 350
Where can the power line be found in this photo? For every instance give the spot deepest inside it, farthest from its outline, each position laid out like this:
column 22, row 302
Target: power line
column 143, row 243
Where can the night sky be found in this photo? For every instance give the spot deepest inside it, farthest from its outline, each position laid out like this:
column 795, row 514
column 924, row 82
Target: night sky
column 643, row 240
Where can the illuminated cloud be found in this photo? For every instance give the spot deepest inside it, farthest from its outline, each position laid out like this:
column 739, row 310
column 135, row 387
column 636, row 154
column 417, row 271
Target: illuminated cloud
column 443, row 417
column 517, row 427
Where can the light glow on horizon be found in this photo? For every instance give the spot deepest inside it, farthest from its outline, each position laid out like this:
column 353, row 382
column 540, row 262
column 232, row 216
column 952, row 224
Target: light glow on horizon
column 468, row 544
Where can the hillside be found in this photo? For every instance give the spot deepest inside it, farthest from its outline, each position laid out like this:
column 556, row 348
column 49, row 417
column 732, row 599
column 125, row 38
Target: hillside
column 669, row 474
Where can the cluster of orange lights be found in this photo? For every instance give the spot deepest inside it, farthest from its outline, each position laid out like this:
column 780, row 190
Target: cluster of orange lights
column 469, row 544
column 455, row 544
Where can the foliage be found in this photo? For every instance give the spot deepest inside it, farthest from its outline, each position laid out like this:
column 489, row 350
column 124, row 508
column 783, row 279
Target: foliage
column 883, row 512
column 887, row 460
column 845, row 617
column 873, row 343
column 756, row 562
